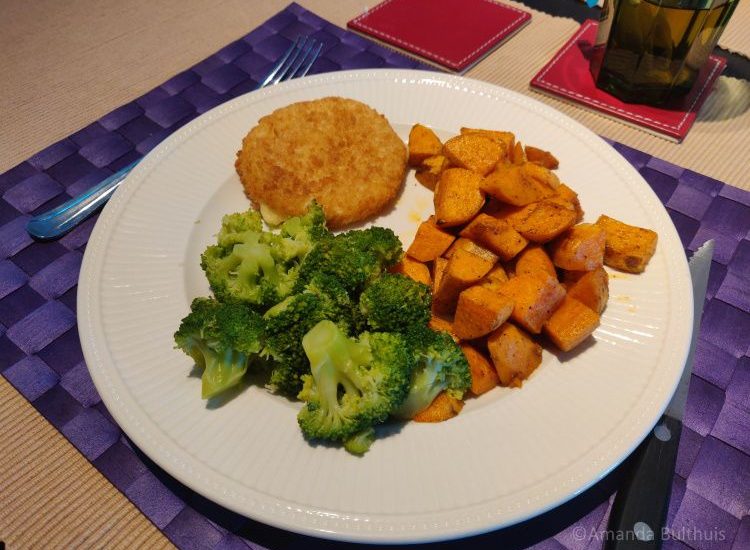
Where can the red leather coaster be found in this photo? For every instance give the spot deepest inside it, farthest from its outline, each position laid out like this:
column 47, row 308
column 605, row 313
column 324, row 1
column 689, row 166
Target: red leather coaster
column 567, row 75
column 452, row 33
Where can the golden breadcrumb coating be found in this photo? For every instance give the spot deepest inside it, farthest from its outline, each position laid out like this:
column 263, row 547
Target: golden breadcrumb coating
column 337, row 151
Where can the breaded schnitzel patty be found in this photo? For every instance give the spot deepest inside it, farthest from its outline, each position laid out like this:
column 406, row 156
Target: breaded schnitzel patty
column 337, row 151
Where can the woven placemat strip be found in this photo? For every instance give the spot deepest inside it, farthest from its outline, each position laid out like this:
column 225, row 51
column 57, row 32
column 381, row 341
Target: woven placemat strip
column 40, row 352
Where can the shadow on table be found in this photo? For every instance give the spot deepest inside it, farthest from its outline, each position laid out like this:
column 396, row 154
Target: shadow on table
column 522, row 535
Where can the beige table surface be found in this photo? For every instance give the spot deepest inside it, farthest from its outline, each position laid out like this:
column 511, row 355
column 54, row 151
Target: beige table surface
column 65, row 64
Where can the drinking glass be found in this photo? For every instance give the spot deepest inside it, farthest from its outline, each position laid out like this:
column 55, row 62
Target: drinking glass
column 651, row 51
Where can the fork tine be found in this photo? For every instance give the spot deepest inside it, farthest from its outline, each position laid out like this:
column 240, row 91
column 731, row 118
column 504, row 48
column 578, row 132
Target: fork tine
column 301, row 61
column 312, row 60
column 278, row 65
column 290, row 63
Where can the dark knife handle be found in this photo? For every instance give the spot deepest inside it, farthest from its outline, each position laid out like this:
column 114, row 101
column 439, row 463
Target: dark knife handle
column 640, row 508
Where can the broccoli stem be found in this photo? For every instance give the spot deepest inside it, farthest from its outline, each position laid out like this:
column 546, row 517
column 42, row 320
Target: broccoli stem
column 425, row 388
column 221, row 371
column 360, row 443
column 332, row 356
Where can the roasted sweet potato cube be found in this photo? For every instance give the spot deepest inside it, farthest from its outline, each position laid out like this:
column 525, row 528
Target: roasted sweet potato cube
column 508, row 139
column 514, row 354
column 591, row 289
column 480, row 311
column 494, row 278
column 535, row 298
column 541, row 157
column 496, row 235
column 429, row 242
column 571, row 324
column 517, row 185
column 518, row 155
column 512, row 215
column 438, row 270
column 627, row 247
column 483, row 374
column 566, row 194
column 443, row 407
column 506, row 185
column 461, row 242
column 413, row 269
column 580, row 248
column 439, row 323
column 540, row 175
column 429, row 172
column 535, row 261
column 473, row 152
column 458, row 197
column 471, row 246
column 423, row 143
column 463, row 270
column 546, row 220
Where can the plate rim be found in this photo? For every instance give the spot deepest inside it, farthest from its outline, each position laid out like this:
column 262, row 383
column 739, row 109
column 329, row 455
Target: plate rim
column 86, row 301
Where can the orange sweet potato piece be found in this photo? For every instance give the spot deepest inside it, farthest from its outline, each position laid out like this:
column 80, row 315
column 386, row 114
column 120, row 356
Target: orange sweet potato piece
column 443, row 407
column 463, row 270
column 627, row 247
column 580, row 248
column 514, row 354
column 534, row 260
column 535, row 298
column 483, row 374
column 438, row 270
column 429, row 242
column 591, row 289
column 458, row 197
column 471, row 246
column 494, row 278
column 480, row 311
column 541, row 157
column 438, row 323
column 508, row 139
column 496, row 235
column 546, row 220
column 520, row 185
column 429, row 172
column 423, row 143
column 566, row 194
column 540, row 175
column 571, row 324
column 473, row 152
column 512, row 215
column 413, row 269
column 518, row 155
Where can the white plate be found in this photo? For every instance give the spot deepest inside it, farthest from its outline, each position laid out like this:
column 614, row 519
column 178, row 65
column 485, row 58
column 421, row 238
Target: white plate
column 510, row 454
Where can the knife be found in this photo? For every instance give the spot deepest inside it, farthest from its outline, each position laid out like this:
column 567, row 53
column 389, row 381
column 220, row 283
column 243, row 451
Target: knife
column 640, row 508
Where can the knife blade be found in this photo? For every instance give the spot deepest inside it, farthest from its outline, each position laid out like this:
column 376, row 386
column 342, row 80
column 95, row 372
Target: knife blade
column 639, row 511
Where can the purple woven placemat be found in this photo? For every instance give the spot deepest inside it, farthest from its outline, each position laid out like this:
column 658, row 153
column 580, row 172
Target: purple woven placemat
column 40, row 353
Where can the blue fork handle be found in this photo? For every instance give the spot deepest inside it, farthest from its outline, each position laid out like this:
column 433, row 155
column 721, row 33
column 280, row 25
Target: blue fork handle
column 65, row 217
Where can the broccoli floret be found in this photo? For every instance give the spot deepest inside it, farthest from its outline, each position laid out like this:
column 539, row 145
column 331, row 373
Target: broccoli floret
column 288, row 321
column 310, row 228
column 360, row 443
column 221, row 338
column 354, row 258
column 336, row 304
column 380, row 241
column 393, row 303
column 354, row 384
column 235, row 226
column 259, row 267
column 439, row 365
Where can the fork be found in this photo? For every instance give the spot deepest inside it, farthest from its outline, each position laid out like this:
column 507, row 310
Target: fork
column 295, row 62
